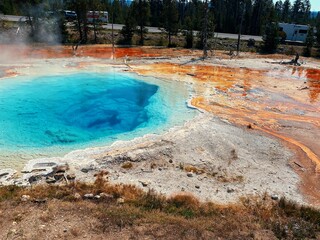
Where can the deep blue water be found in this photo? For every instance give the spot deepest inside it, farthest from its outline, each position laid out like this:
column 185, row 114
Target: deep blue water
column 71, row 111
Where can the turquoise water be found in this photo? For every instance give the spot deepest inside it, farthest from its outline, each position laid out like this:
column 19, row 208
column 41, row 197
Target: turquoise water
column 51, row 115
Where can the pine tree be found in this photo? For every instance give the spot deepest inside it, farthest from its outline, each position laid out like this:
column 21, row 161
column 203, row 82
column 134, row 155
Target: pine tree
column 34, row 13
column 297, row 12
column 278, row 9
column 263, row 13
column 170, row 19
column 81, row 7
column 96, row 4
column 189, row 32
column 129, row 27
column 247, row 17
column 318, row 29
column 309, row 42
column 142, row 16
column 206, row 34
column 156, row 7
column 117, row 12
column 220, row 13
column 271, row 38
column 286, row 11
column 306, row 11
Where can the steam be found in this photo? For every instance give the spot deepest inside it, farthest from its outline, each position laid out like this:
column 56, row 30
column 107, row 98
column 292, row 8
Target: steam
column 37, row 26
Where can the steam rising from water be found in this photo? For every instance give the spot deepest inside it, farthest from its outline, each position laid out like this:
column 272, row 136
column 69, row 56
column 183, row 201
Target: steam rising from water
column 44, row 27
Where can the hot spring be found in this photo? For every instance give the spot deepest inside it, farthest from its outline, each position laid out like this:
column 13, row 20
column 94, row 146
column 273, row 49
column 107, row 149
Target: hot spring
column 52, row 115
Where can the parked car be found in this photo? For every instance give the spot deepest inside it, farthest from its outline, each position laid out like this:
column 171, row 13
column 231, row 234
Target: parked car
column 69, row 15
column 97, row 16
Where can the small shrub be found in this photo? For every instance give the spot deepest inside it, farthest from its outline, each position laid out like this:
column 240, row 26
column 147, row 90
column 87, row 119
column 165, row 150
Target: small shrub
column 189, row 39
column 251, row 42
column 172, row 45
column 151, row 200
column 120, row 216
column 279, row 230
column 161, row 42
column 290, row 208
column 310, row 215
column 9, row 192
column 290, row 51
column 186, row 201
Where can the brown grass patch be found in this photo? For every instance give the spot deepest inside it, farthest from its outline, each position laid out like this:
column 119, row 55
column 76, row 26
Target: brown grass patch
column 193, row 169
column 150, row 215
column 127, row 165
column 230, row 179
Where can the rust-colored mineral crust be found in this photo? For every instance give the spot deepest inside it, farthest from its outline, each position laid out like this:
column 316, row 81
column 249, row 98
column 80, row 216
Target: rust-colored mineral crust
column 282, row 101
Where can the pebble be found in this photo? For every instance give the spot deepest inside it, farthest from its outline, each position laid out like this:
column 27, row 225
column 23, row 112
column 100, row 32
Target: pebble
column 50, row 180
column 25, row 198
column 77, row 196
column 230, row 190
column 274, row 197
column 88, row 196
column 189, row 174
column 144, row 183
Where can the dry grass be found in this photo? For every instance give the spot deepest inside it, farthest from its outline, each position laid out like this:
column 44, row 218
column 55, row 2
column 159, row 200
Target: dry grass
column 150, row 215
column 230, row 179
column 193, row 169
column 127, row 165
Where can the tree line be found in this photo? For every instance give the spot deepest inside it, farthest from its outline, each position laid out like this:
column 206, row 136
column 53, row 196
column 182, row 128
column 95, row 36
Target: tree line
column 228, row 13
column 205, row 16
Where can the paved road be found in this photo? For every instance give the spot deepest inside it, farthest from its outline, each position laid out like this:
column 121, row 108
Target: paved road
column 219, row 35
column 150, row 29
column 12, row 18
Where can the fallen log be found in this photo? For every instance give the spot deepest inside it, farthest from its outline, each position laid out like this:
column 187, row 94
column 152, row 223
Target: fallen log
column 294, row 61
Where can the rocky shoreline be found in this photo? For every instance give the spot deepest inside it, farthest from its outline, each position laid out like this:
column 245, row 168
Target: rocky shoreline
column 207, row 157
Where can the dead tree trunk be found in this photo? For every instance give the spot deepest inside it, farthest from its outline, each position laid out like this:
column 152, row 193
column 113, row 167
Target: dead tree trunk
column 205, row 31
